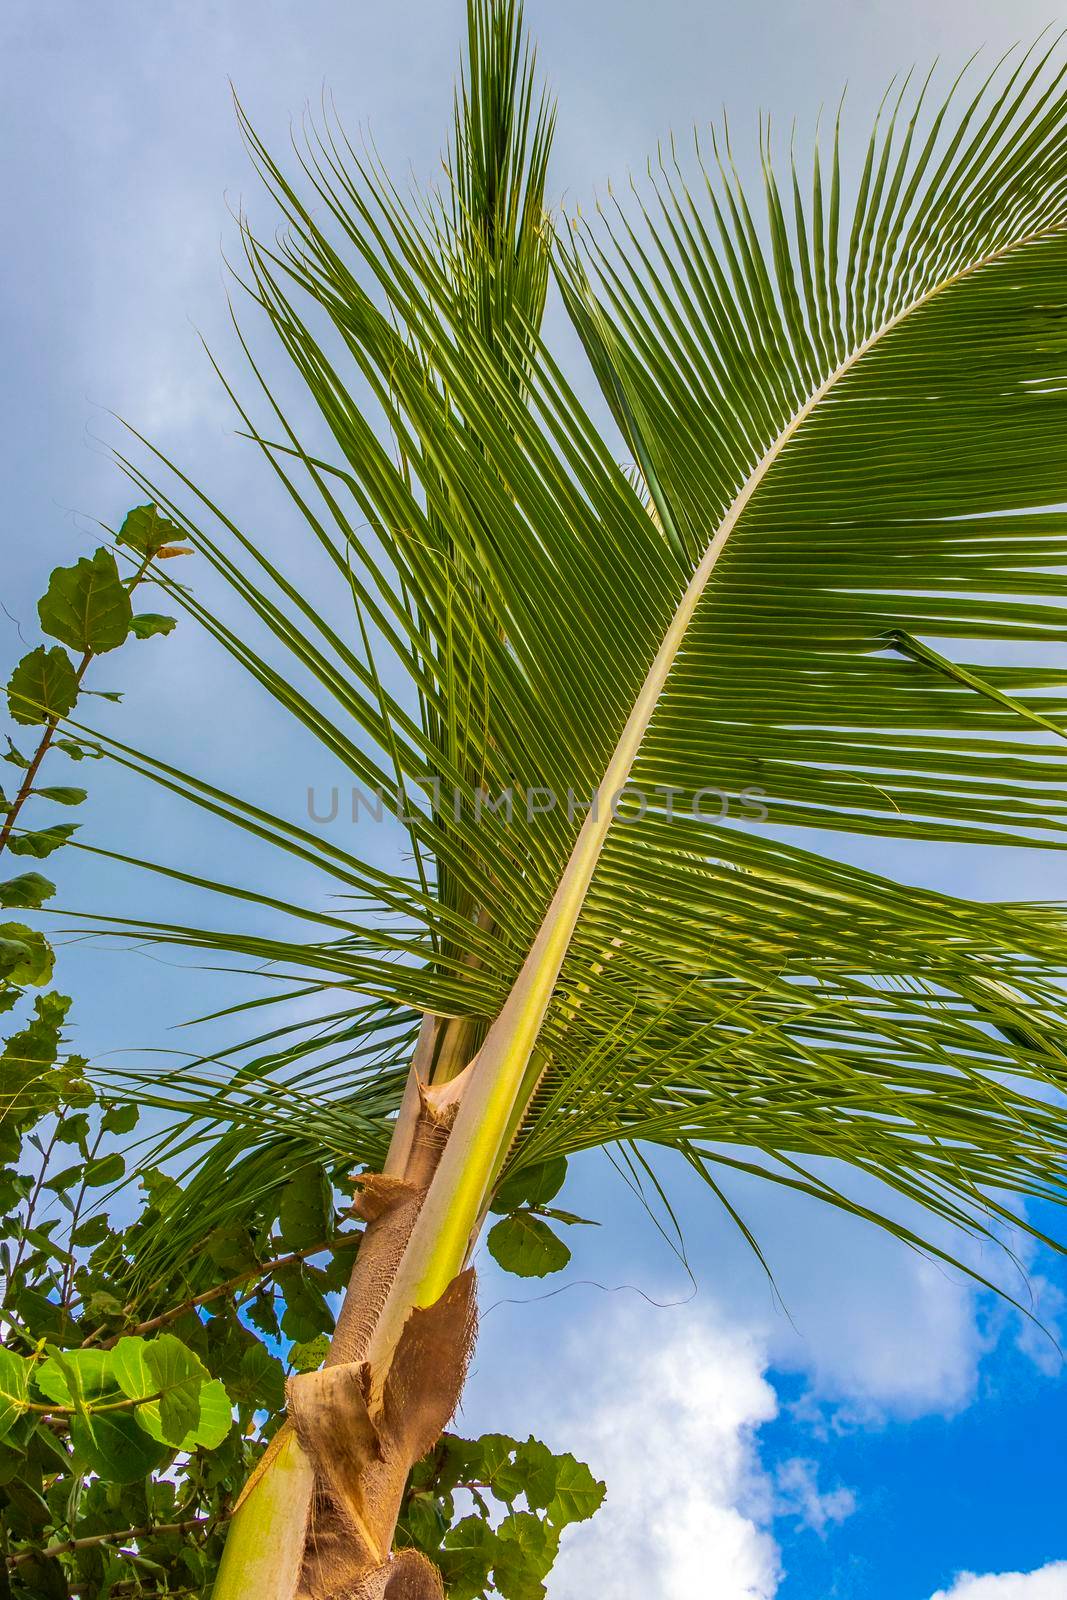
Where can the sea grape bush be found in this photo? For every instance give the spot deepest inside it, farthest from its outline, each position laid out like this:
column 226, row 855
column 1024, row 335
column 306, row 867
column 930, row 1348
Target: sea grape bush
column 134, row 1407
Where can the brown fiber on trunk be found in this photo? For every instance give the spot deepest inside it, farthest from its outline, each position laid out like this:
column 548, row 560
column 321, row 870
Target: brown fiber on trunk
column 362, row 1461
column 408, row 1576
column 363, row 1430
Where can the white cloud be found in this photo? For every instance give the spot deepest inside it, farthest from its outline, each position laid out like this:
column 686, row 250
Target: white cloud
column 1047, row 1583
column 1044, row 1337
column 673, row 1430
column 851, row 1347
column 798, row 1495
column 669, row 1415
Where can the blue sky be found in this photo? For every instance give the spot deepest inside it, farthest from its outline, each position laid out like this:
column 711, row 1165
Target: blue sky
column 900, row 1430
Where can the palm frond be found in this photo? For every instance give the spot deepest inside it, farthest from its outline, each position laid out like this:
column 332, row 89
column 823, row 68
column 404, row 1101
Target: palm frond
column 849, row 425
column 877, row 446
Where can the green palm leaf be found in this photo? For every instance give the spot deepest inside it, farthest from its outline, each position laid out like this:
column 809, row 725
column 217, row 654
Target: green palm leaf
column 848, row 429
column 827, row 580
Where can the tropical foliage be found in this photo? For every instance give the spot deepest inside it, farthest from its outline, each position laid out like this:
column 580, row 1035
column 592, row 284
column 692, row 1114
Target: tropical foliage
column 127, row 1427
column 802, row 556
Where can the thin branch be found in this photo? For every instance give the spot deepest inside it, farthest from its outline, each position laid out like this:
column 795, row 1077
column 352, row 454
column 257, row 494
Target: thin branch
column 31, row 1204
column 39, row 754
column 67, row 1291
column 126, row 1404
column 50, row 728
column 264, row 1269
column 68, row 1546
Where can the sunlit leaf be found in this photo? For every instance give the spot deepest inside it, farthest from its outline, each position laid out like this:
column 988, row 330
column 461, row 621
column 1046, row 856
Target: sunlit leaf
column 43, row 686
column 86, row 605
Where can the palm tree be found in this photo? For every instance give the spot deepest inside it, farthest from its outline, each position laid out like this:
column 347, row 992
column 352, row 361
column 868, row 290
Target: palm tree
column 844, row 426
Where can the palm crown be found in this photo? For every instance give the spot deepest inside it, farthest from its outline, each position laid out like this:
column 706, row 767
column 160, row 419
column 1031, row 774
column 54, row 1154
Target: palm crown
column 844, row 420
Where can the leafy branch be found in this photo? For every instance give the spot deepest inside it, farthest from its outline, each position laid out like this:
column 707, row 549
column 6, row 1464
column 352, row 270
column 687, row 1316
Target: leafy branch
column 261, row 1272
column 87, row 607
column 64, row 1547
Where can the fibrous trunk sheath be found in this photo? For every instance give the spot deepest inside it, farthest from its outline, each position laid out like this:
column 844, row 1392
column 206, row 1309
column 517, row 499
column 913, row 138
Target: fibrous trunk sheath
column 316, row 1520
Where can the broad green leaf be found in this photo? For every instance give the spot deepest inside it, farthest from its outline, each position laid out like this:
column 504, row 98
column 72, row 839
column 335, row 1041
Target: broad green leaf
column 70, row 1376
column 105, row 1170
column 466, row 1558
column 261, row 1380
column 75, row 1090
column 146, row 624
column 528, row 1547
column 423, row 1524
column 484, row 1459
column 26, row 957
column 146, row 530
column 194, row 1409
column 514, row 1576
column 62, row 795
column 14, row 1188
column 59, row 1182
column 306, row 1209
column 28, row 892
column 532, row 1186
column 166, row 1374
column 93, row 1231
column 14, row 1389
column 34, row 1513
column 458, row 1460
column 120, row 1119
column 216, row 1418
column 40, row 1315
column 111, row 1443
column 75, row 1130
column 43, row 686
column 534, row 1472
column 525, row 1245
column 262, row 1315
column 28, row 1089
column 309, row 1356
column 102, row 1305
column 578, row 1494
column 43, row 841
column 86, row 606
column 20, row 1434
column 230, row 1248
column 307, row 1313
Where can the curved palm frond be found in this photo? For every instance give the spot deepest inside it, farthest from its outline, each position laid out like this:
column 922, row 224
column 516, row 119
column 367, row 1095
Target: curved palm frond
column 850, row 426
column 869, row 412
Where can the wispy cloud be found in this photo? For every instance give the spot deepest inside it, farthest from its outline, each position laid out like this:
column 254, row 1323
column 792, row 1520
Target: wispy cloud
column 798, row 1495
column 1047, row 1583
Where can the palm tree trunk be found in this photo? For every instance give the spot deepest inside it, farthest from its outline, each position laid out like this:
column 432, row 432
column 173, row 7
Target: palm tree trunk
column 318, row 1515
